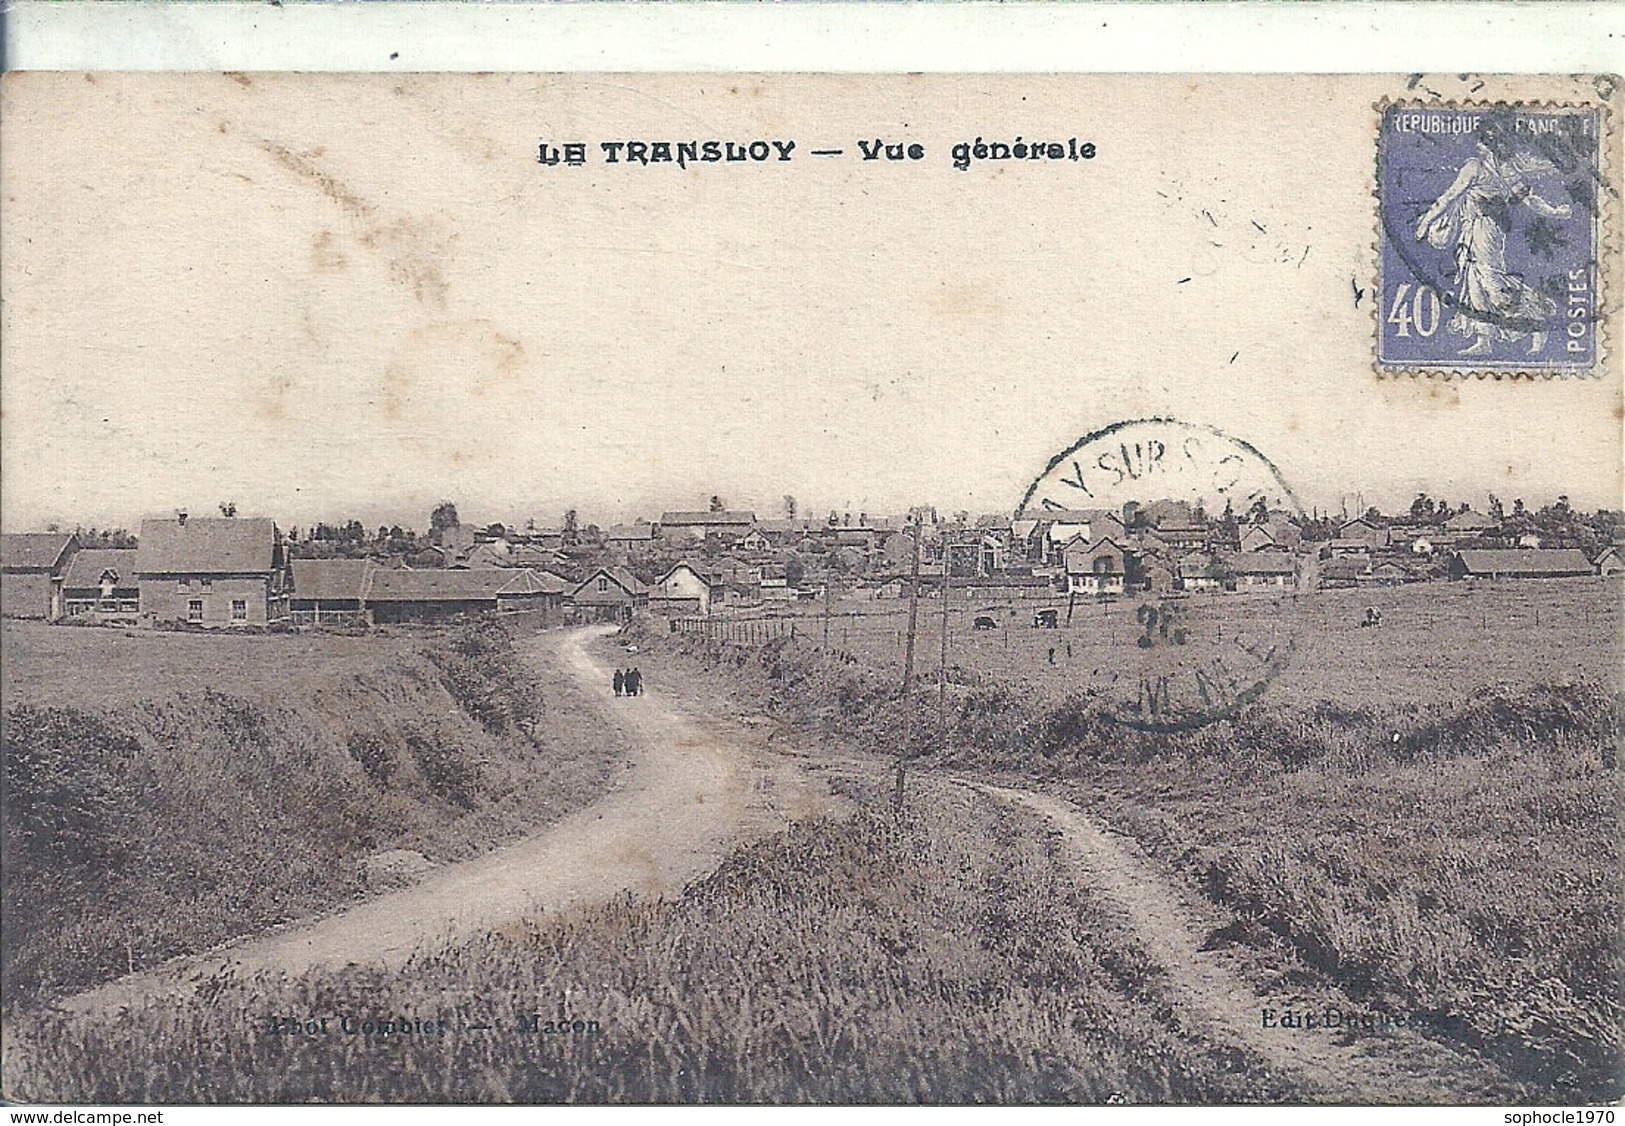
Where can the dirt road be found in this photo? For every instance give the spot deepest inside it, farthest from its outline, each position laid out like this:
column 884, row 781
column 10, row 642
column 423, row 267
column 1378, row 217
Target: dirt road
column 689, row 795
column 1212, row 997
column 696, row 788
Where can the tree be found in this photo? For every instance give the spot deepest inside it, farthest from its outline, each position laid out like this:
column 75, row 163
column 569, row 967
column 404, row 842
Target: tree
column 794, row 570
column 789, row 507
column 444, row 516
column 572, row 526
column 1259, row 513
column 1423, row 509
column 717, row 504
column 1497, row 512
column 228, row 508
column 1229, row 530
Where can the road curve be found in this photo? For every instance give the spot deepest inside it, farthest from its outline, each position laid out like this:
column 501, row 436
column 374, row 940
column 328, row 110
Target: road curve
column 690, row 794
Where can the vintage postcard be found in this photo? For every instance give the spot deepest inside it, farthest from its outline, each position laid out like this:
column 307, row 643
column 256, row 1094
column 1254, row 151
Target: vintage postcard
column 781, row 589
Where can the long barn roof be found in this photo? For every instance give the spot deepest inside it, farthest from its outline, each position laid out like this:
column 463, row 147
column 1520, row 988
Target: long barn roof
column 459, row 586
column 20, row 551
column 1525, row 561
column 707, row 518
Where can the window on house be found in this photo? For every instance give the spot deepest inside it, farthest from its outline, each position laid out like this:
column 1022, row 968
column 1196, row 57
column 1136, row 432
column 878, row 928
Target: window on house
column 183, row 583
column 239, row 609
column 206, row 584
column 603, row 584
column 194, row 610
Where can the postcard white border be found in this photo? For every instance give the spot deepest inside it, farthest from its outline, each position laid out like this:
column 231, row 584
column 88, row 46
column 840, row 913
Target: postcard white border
column 1553, row 37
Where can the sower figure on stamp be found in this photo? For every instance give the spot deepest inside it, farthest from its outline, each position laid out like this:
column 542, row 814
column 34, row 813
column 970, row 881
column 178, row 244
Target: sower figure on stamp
column 1475, row 212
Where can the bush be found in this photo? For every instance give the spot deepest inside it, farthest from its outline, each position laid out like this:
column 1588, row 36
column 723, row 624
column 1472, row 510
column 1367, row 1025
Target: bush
column 480, row 668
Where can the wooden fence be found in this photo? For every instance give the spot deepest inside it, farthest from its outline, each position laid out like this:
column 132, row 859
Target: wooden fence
column 736, row 631
column 328, row 617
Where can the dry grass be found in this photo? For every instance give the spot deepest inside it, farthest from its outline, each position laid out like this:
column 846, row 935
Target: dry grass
column 1450, row 849
column 180, row 819
column 951, row 958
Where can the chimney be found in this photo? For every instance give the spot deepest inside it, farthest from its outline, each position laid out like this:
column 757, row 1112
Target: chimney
column 180, row 517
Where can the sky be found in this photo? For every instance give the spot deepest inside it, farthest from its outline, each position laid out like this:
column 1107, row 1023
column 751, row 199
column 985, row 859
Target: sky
column 327, row 297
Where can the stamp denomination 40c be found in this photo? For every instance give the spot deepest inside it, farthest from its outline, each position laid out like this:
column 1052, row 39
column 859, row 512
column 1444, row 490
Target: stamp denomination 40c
column 1490, row 222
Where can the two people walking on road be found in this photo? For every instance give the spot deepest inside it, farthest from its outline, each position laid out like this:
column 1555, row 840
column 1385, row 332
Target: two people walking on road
column 628, row 683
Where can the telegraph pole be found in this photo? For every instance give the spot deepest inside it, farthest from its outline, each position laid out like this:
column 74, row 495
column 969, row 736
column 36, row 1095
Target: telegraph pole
column 827, row 578
column 908, row 670
column 942, row 668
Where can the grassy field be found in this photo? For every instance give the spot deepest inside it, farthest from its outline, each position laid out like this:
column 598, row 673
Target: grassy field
column 948, row 958
column 1426, row 812
column 1438, row 641
column 111, row 668
column 166, row 792
column 1425, row 815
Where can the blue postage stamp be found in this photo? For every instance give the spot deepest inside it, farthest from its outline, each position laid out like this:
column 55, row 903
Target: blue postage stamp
column 1489, row 228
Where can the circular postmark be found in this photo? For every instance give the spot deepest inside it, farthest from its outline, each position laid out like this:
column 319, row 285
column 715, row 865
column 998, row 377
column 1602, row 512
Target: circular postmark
column 1175, row 545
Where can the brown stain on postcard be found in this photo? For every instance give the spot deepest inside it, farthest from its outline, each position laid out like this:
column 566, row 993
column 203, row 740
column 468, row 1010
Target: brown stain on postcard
column 414, row 249
column 474, row 348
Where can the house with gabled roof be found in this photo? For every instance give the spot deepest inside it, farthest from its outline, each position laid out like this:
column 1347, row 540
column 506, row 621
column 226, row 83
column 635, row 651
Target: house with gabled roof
column 609, row 594
column 32, row 568
column 1610, row 562
column 1344, row 570
column 535, row 556
column 1363, row 531
column 1062, row 526
column 677, row 528
column 1258, row 537
column 1100, row 567
column 631, row 536
column 681, row 590
column 1200, row 571
column 1470, row 523
column 212, row 571
column 1258, row 570
column 101, row 580
column 754, row 542
column 484, row 555
column 1286, row 533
